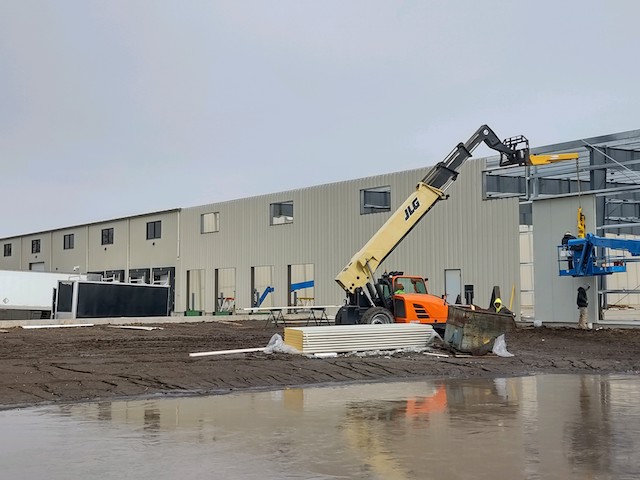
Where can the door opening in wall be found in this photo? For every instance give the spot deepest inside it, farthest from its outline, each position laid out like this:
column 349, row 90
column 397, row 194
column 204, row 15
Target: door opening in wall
column 195, row 291
column 225, row 291
column 262, row 286
column 453, row 285
column 301, row 284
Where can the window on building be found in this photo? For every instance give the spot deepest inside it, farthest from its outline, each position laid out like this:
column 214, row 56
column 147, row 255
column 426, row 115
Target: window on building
column 281, row 213
column 374, row 200
column 68, row 241
column 154, row 229
column 7, row 249
column 35, row 246
column 107, row 236
column 139, row 275
column 113, row 276
column 210, row 222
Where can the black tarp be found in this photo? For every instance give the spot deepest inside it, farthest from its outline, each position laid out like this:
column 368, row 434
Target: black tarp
column 115, row 299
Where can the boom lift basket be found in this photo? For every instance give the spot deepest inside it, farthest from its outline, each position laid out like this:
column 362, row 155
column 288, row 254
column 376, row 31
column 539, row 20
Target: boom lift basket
column 570, row 263
column 581, row 259
column 519, row 144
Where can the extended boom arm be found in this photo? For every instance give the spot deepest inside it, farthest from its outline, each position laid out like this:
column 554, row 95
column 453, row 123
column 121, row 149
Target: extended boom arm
column 429, row 191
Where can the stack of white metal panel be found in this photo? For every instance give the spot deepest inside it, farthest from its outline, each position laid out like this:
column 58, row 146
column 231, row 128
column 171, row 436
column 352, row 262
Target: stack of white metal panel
column 359, row 338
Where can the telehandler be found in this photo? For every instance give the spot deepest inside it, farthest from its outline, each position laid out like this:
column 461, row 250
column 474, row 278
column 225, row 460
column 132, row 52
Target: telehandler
column 396, row 297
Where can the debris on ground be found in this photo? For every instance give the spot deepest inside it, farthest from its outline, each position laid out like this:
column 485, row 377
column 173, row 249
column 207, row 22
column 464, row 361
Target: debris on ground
column 500, row 347
column 276, row 345
column 133, row 327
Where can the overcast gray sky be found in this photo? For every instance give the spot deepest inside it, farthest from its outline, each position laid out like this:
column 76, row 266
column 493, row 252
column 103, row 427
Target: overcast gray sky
column 119, row 107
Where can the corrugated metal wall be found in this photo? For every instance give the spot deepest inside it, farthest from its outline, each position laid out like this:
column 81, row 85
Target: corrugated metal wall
column 130, row 247
column 29, row 257
column 479, row 237
column 64, row 260
column 110, row 256
column 465, row 232
column 555, row 296
column 13, row 261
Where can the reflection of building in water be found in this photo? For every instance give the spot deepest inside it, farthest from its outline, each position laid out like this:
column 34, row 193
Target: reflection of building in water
column 590, row 436
column 430, row 432
column 551, row 426
column 574, row 424
column 593, row 433
column 104, row 411
column 152, row 419
column 497, row 397
column 366, row 424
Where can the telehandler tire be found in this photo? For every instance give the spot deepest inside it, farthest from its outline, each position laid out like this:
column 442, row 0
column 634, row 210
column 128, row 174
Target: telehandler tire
column 377, row 316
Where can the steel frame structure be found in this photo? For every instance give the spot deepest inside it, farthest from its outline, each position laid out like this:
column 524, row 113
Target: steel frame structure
column 607, row 167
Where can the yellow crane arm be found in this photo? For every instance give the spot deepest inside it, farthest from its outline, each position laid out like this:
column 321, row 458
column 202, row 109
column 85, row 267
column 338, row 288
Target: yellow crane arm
column 359, row 270
column 553, row 158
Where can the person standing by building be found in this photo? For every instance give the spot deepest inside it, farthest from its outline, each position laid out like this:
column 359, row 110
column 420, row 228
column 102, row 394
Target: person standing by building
column 583, row 303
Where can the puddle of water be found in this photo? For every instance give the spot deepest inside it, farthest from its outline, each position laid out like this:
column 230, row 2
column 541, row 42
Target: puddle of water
column 541, row 427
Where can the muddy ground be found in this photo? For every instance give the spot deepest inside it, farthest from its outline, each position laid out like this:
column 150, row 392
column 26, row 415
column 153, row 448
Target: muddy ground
column 98, row 363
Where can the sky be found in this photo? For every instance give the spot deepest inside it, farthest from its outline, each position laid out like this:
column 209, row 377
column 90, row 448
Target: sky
column 123, row 107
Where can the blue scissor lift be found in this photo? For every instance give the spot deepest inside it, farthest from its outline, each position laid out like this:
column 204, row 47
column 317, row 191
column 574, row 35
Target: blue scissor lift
column 581, row 259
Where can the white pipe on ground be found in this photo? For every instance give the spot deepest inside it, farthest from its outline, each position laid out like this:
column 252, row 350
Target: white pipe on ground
column 59, row 326
column 224, row 352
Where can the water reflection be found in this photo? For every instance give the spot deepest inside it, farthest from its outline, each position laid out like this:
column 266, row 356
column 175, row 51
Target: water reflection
column 541, row 427
column 593, row 432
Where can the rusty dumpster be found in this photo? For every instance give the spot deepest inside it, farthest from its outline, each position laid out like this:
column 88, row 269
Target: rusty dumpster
column 474, row 330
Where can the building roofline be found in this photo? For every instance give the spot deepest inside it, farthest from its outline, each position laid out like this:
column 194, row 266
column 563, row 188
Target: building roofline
column 556, row 147
column 52, row 230
column 582, row 143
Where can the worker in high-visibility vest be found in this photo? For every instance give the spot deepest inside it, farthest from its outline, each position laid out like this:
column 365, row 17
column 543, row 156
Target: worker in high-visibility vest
column 499, row 308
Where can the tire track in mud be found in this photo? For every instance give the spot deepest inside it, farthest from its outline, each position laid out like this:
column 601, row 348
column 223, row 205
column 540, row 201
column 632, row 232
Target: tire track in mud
column 374, row 369
column 69, row 369
column 148, row 382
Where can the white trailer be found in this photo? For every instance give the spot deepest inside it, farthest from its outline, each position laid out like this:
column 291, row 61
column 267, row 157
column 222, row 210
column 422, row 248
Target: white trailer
column 25, row 295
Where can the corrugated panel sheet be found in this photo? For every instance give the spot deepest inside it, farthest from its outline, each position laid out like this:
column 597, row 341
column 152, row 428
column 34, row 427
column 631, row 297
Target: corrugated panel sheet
column 358, row 338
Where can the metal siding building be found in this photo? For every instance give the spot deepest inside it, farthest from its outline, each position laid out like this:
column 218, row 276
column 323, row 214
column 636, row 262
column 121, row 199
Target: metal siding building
column 128, row 248
column 111, row 255
column 466, row 233
column 277, row 241
column 608, row 168
column 65, row 257
column 475, row 240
